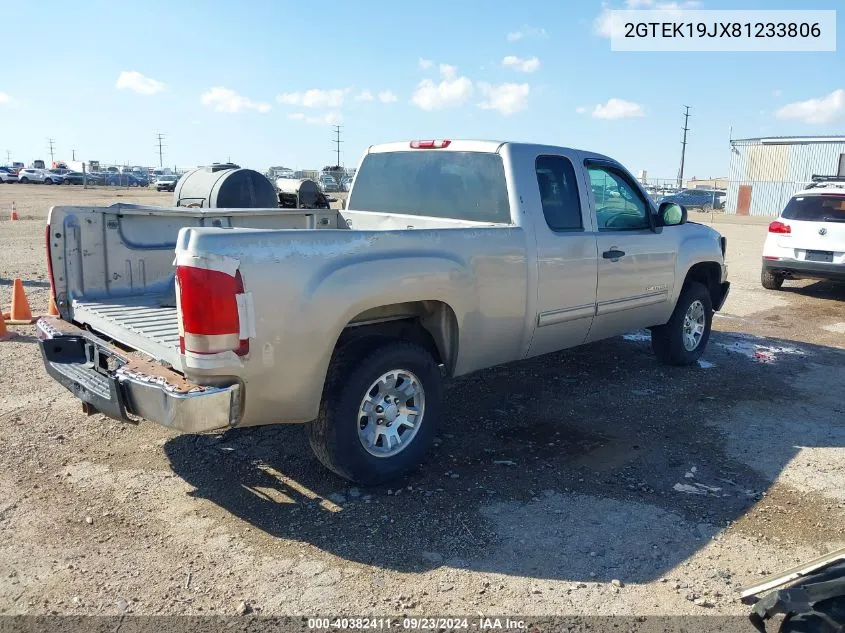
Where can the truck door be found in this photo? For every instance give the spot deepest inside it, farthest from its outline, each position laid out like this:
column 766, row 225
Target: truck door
column 566, row 255
column 636, row 266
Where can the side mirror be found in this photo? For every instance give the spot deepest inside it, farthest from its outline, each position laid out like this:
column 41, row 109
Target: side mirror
column 672, row 213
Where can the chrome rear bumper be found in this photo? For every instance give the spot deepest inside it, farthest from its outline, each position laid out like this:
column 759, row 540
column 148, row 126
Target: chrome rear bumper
column 121, row 384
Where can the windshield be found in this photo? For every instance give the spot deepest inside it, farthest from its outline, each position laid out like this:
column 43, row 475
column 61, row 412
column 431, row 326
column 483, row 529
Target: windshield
column 460, row 185
column 816, row 209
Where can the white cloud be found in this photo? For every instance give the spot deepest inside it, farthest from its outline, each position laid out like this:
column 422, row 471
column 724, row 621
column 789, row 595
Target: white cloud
column 504, row 98
column 821, row 110
column 6, row 98
column 618, row 109
column 448, row 71
column 604, row 26
column 133, row 80
column 448, row 93
column 524, row 32
column 387, row 96
column 522, row 65
column 314, row 98
column 330, row 118
column 425, row 64
column 581, row 109
column 227, row 100
column 364, row 95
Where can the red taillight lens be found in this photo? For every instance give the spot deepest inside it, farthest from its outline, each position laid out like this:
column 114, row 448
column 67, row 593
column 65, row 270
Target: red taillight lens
column 779, row 227
column 436, row 144
column 209, row 312
column 50, row 263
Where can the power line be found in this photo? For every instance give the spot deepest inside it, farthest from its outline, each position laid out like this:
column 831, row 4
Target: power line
column 52, row 157
column 336, row 140
column 160, row 138
column 683, row 147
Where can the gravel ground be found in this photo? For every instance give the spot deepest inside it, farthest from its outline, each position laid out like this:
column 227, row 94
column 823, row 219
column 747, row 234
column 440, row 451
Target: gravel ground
column 593, row 481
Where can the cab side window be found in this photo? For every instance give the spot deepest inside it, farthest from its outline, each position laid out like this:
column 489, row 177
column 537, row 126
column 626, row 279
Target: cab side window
column 559, row 193
column 619, row 204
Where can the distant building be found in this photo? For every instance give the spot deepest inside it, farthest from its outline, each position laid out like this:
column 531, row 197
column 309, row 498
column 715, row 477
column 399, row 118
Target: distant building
column 707, row 183
column 765, row 172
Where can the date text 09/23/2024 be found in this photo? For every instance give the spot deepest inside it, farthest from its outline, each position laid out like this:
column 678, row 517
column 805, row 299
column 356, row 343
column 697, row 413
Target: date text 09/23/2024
column 418, row 623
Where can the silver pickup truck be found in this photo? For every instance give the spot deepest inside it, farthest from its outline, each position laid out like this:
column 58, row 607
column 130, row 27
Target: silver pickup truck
column 450, row 256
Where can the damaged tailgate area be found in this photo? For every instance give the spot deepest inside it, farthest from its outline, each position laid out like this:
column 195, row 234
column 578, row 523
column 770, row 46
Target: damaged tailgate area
column 127, row 385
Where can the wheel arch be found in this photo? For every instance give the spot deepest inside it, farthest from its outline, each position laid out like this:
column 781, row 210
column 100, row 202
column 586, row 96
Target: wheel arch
column 429, row 323
column 708, row 274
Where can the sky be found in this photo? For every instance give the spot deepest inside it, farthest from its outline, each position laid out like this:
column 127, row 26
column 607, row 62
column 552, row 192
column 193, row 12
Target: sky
column 262, row 82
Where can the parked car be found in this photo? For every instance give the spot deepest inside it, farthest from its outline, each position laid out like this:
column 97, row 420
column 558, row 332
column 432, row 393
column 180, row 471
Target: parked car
column 79, row 178
column 355, row 348
column 43, row 176
column 114, row 179
column 704, row 199
column 328, row 183
column 807, row 241
column 346, row 183
column 8, row 175
column 166, row 183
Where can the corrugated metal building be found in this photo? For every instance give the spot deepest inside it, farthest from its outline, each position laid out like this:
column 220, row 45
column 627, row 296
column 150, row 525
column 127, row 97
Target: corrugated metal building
column 765, row 172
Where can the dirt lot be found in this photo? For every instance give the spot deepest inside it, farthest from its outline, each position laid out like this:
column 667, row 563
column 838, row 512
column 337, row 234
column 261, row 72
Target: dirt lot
column 552, row 479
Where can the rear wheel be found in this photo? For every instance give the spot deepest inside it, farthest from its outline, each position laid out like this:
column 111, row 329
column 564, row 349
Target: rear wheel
column 48, row 181
column 379, row 412
column 683, row 339
column 770, row 280
column 23, row 180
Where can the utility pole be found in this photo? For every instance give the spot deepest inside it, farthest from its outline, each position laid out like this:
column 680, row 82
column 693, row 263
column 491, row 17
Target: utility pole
column 8, row 157
column 683, row 147
column 52, row 157
column 160, row 138
column 336, row 140
column 73, row 151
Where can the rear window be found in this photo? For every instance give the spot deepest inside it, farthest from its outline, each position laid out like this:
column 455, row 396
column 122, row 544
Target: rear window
column 460, row 185
column 816, row 209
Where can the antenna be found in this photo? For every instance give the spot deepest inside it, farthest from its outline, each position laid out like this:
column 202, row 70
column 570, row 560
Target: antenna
column 160, row 138
column 336, row 140
column 52, row 157
column 683, row 147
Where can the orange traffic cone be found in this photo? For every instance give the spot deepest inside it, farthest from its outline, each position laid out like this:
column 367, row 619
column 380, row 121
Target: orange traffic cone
column 20, row 314
column 53, row 310
column 14, row 215
column 4, row 333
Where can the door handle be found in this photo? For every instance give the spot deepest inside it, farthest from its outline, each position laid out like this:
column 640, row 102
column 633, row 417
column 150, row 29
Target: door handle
column 613, row 254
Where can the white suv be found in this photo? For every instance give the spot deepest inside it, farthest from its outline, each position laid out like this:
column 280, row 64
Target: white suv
column 39, row 175
column 807, row 241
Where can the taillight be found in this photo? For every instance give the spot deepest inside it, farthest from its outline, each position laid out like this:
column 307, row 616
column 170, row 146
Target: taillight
column 436, row 144
column 50, row 263
column 212, row 311
column 779, row 227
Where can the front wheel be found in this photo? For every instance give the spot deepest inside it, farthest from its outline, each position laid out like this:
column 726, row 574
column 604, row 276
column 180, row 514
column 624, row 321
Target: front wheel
column 379, row 412
column 682, row 340
column 23, row 180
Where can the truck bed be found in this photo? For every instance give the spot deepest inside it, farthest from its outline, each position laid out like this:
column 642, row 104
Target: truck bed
column 146, row 322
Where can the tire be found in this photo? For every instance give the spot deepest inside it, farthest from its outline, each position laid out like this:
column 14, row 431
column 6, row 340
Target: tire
column 670, row 342
column 826, row 616
column 770, row 280
column 47, row 181
column 707, row 208
column 23, row 180
column 335, row 436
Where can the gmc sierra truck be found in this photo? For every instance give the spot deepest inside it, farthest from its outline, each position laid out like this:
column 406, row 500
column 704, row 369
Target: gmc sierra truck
column 450, row 256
